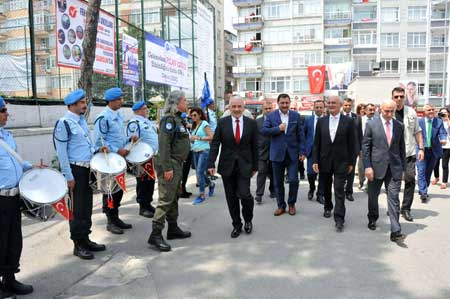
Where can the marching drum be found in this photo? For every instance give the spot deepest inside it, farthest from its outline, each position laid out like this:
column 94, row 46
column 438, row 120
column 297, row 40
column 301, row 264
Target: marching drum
column 105, row 168
column 39, row 189
column 140, row 153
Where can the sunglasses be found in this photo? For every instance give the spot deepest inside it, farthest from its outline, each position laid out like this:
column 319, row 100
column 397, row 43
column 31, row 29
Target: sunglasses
column 194, row 114
column 399, row 97
column 3, row 110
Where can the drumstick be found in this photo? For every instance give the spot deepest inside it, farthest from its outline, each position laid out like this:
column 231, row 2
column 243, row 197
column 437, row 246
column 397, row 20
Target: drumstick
column 106, row 154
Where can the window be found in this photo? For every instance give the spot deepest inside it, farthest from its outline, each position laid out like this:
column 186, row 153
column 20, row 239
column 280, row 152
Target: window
column 435, row 89
column 305, row 7
column 277, row 84
column 364, row 37
column 415, row 65
column 108, row 2
column 306, row 58
column 338, row 32
column 277, row 35
column 365, row 14
column 151, row 16
column 417, row 13
column 439, row 13
column 389, row 14
column 16, row 4
column 437, row 65
column 337, row 57
column 438, row 39
column 389, row 66
column 66, row 81
column 277, row 60
column 250, row 85
column 276, row 10
column 416, row 39
column 390, row 40
column 17, row 44
column 305, row 34
column 249, row 60
column 50, row 62
column 301, row 84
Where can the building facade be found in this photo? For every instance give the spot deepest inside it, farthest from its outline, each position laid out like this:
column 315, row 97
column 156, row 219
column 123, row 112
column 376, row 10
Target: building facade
column 230, row 84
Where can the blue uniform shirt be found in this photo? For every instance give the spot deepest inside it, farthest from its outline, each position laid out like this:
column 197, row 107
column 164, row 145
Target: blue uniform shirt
column 143, row 128
column 10, row 169
column 109, row 127
column 73, row 146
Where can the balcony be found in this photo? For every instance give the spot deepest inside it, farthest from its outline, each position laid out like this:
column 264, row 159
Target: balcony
column 246, row 3
column 337, row 17
column 364, row 2
column 249, row 95
column 248, row 71
column 365, row 19
column 365, row 50
column 42, row 29
column 251, row 47
column 343, row 43
column 42, row 50
column 248, row 23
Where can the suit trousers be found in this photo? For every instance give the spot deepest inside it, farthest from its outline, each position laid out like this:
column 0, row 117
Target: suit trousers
column 410, row 183
column 393, row 199
column 238, row 187
column 312, row 177
column 349, row 182
column 424, row 170
column 278, row 177
column 445, row 159
column 145, row 186
column 80, row 226
column 264, row 171
column 339, row 194
column 117, row 198
column 10, row 234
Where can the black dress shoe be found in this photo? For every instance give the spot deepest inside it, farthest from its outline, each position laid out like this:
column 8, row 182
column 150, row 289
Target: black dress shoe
column 186, row 194
column 248, row 227
column 81, row 250
column 310, row 195
column 407, row 215
column 236, row 232
column 146, row 213
column 121, row 224
column 350, row 197
column 424, row 198
column 327, row 214
column 320, row 199
column 114, row 229
column 258, row 199
column 339, row 227
column 16, row 287
column 6, row 295
column 92, row 246
column 156, row 240
column 397, row 236
column 372, row 225
column 175, row 232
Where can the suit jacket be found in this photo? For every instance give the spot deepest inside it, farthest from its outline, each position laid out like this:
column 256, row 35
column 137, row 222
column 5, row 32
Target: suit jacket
column 438, row 133
column 377, row 153
column 263, row 141
column 337, row 155
column 245, row 154
column 309, row 135
column 358, row 130
column 293, row 140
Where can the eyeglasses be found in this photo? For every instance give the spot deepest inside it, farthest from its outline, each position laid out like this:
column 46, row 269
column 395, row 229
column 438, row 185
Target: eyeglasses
column 3, row 110
column 399, row 97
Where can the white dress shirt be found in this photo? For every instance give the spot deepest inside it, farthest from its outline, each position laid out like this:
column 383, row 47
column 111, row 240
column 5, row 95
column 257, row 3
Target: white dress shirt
column 333, row 125
column 241, row 125
column 284, row 119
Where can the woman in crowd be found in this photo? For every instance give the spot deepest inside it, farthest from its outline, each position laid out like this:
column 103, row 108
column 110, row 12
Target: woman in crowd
column 201, row 135
column 444, row 115
column 360, row 109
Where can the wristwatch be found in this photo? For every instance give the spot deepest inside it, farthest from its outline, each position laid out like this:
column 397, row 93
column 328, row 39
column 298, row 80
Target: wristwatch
column 421, row 148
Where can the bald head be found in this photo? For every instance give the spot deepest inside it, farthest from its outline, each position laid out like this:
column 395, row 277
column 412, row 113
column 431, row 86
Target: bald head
column 387, row 108
column 236, row 107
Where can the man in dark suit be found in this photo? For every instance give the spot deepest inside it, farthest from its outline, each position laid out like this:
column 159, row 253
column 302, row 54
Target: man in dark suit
column 264, row 164
column 383, row 151
column 434, row 136
column 347, row 111
column 287, row 147
column 238, row 162
column 334, row 156
column 310, row 128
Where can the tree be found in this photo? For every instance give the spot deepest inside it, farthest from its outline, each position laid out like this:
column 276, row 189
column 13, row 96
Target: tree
column 89, row 46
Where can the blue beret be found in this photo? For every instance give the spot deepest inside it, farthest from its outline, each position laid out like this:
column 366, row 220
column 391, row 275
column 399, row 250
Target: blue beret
column 113, row 94
column 74, row 97
column 138, row 105
column 2, row 102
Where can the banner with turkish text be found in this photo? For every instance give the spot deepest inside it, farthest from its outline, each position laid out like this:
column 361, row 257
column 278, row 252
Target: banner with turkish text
column 316, row 75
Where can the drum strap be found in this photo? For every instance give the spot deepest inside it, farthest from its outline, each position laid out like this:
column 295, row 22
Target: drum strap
column 11, row 151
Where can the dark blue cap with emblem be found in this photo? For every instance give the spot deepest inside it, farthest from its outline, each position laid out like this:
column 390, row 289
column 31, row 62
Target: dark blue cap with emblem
column 138, row 105
column 2, row 102
column 74, row 97
column 113, row 94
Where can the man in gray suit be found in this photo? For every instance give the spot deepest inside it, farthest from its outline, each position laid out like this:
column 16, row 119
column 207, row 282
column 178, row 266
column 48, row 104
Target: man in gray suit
column 383, row 150
column 264, row 164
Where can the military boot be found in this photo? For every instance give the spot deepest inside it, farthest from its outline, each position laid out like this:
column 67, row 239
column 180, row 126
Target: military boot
column 80, row 249
column 11, row 285
column 118, row 222
column 156, row 239
column 112, row 227
column 175, row 232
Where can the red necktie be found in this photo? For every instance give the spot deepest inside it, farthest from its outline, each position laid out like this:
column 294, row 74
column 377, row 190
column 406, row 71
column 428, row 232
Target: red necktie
column 237, row 135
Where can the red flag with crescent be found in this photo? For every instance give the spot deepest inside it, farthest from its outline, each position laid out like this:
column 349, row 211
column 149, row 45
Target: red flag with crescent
column 120, row 179
column 61, row 207
column 316, row 76
column 149, row 169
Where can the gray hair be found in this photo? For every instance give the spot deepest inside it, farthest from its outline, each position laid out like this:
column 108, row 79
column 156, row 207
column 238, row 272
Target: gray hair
column 172, row 101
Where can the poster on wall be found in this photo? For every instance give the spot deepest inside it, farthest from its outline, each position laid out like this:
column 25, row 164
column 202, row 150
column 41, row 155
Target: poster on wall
column 70, row 31
column 412, row 92
column 165, row 63
column 130, row 58
column 339, row 75
column 204, row 48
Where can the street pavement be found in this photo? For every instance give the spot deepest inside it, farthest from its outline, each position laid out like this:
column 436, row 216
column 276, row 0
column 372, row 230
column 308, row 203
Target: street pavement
column 299, row 256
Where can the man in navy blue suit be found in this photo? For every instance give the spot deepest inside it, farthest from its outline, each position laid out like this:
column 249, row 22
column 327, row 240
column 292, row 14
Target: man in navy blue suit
column 434, row 136
column 287, row 147
column 310, row 129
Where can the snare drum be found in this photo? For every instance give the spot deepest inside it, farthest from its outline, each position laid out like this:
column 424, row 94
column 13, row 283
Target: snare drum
column 105, row 168
column 140, row 154
column 39, row 189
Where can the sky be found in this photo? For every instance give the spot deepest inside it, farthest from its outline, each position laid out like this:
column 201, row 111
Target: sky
column 229, row 14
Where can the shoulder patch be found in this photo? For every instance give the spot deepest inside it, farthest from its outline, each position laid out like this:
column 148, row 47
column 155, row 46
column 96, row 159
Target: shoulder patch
column 169, row 126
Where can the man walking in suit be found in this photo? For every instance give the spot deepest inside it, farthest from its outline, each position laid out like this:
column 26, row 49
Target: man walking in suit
column 310, row 129
column 334, row 156
column 238, row 162
column 347, row 111
column 264, row 164
column 434, row 136
column 287, row 147
column 370, row 112
column 384, row 162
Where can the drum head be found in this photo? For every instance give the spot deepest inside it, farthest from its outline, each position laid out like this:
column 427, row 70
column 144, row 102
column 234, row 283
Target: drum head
column 110, row 163
column 43, row 186
column 140, row 153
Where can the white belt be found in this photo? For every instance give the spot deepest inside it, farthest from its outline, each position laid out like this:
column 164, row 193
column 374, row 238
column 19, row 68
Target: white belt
column 82, row 164
column 9, row 192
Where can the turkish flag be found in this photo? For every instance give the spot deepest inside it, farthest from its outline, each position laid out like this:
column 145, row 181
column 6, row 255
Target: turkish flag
column 120, row 179
column 316, row 76
column 61, row 207
column 248, row 47
column 149, row 169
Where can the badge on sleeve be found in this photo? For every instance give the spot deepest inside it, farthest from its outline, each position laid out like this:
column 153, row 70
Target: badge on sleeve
column 169, row 126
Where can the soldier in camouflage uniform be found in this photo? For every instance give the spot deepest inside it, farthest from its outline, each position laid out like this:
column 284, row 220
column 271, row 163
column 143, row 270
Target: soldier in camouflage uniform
column 174, row 146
